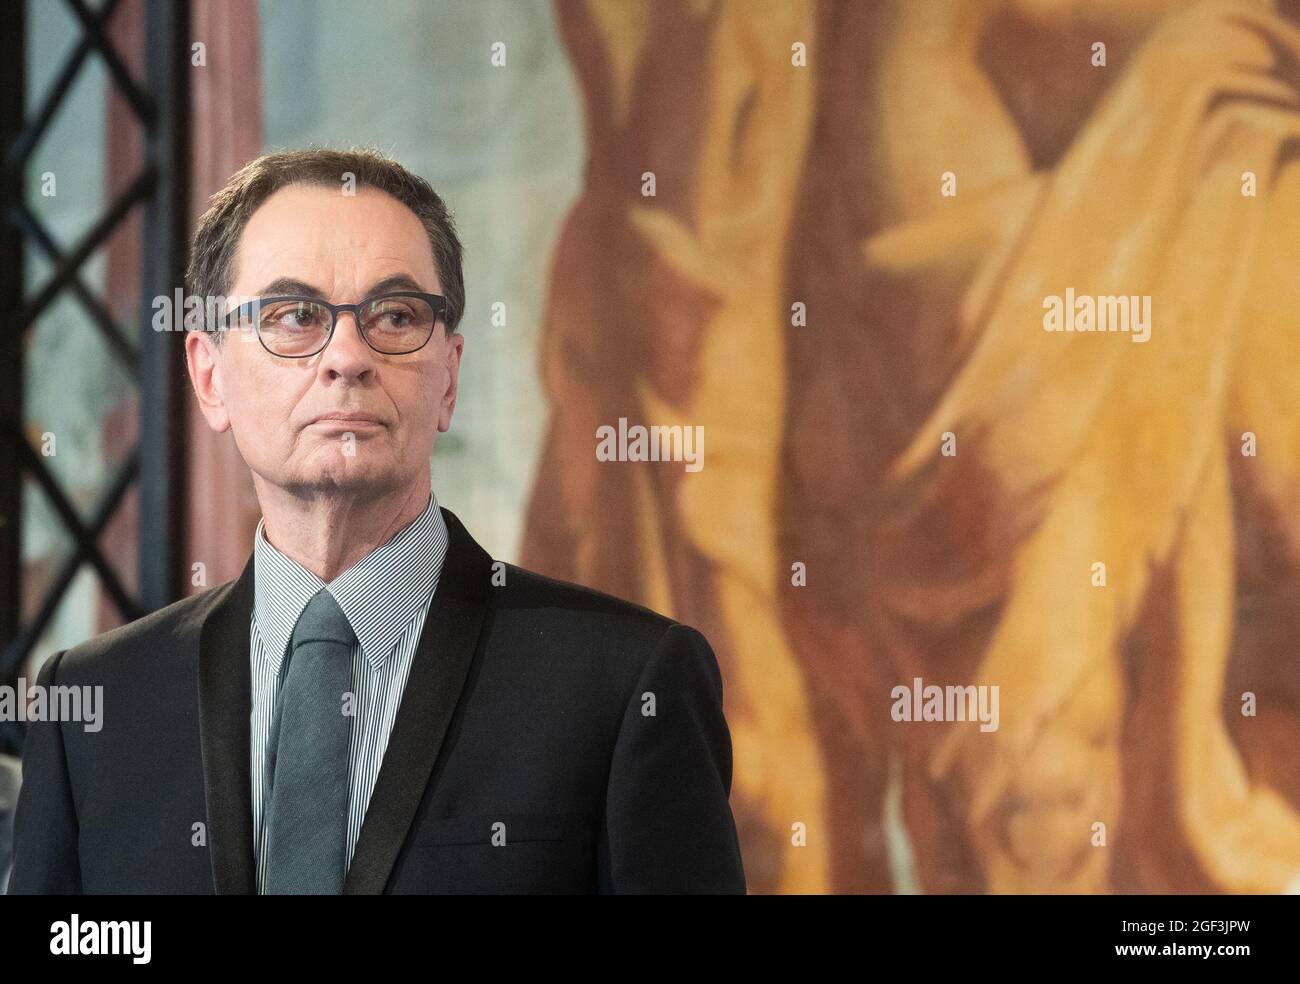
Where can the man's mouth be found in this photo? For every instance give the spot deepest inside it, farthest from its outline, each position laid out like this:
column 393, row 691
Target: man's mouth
column 347, row 419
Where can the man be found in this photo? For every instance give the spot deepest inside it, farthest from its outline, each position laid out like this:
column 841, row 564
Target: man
column 374, row 705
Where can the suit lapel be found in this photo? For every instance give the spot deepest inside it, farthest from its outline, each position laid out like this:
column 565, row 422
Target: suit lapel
column 438, row 672
column 225, row 699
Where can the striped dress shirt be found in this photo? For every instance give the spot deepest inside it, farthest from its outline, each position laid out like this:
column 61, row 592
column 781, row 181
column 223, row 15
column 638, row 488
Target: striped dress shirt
column 385, row 596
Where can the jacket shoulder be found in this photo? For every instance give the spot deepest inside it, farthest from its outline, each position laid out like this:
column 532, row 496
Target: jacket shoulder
column 551, row 591
column 564, row 602
column 620, row 637
column 161, row 631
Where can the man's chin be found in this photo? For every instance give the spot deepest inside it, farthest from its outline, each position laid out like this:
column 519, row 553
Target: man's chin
column 343, row 481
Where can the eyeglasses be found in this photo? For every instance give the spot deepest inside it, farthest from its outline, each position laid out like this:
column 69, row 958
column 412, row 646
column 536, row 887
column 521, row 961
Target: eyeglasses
column 396, row 323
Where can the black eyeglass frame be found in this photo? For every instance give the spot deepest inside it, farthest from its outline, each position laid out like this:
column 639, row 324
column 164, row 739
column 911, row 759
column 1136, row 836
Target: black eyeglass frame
column 250, row 308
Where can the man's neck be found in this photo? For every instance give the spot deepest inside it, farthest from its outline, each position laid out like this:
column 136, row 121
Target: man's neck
column 329, row 534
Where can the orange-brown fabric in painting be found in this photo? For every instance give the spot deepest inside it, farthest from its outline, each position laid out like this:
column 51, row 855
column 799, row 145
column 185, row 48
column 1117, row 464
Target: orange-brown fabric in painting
column 1123, row 761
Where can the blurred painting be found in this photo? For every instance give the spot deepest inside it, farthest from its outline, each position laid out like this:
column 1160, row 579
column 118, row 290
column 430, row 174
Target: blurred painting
column 986, row 311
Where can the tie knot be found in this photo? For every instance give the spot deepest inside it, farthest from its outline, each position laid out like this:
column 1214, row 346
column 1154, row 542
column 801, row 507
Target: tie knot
column 323, row 621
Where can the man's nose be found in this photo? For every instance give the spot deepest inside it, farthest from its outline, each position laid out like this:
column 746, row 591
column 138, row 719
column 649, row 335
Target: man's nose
column 347, row 353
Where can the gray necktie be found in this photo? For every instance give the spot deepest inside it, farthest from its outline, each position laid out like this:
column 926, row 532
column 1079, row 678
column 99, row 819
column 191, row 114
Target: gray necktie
column 307, row 757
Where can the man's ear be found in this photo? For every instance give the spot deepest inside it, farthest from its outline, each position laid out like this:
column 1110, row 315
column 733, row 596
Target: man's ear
column 203, row 360
column 455, row 347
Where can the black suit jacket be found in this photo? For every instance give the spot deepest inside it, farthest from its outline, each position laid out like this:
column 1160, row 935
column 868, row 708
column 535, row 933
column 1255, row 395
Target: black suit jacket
column 587, row 730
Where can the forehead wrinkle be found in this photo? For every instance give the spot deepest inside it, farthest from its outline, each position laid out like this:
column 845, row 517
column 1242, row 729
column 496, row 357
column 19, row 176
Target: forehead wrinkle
column 320, row 265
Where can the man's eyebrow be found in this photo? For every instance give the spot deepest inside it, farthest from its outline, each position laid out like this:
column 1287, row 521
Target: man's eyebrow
column 400, row 281
column 288, row 285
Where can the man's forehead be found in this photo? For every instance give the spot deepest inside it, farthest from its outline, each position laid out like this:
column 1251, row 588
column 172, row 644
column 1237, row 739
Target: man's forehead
column 319, row 235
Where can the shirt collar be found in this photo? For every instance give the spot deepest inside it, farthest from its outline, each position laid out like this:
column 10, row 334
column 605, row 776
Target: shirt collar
column 380, row 594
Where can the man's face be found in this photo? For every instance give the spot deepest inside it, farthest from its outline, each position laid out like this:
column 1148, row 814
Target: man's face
column 342, row 246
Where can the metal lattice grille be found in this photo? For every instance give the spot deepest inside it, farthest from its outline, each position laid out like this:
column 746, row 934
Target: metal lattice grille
column 153, row 466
